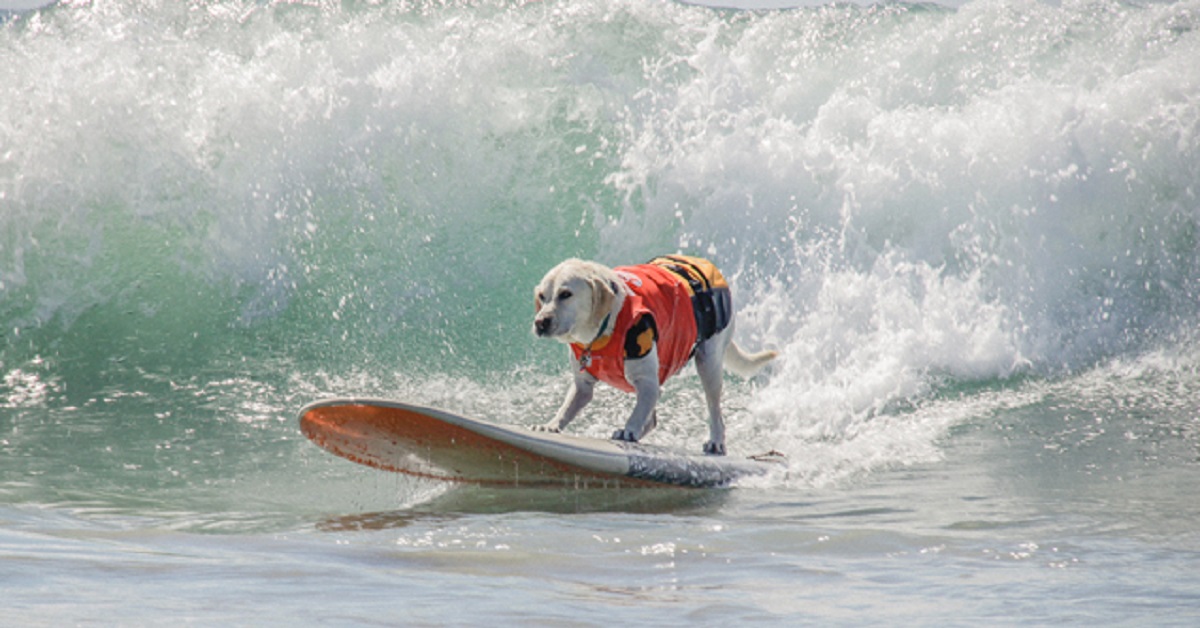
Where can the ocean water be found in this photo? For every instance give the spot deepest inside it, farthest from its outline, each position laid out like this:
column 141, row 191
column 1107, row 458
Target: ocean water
column 972, row 230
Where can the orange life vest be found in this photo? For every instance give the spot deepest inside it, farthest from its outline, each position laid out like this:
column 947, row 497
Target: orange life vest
column 687, row 301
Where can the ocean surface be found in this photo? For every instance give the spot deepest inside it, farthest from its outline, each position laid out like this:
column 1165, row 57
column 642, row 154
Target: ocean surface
column 972, row 231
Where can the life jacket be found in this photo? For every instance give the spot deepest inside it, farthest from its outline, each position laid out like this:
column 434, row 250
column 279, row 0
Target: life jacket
column 674, row 300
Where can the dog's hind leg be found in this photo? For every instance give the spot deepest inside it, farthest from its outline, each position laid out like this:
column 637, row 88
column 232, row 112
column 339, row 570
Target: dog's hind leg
column 709, row 364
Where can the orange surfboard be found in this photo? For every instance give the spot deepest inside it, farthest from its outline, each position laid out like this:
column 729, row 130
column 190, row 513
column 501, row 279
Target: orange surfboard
column 436, row 444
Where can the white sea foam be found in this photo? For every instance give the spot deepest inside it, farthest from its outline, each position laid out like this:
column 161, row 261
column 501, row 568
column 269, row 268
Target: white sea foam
column 925, row 198
column 905, row 197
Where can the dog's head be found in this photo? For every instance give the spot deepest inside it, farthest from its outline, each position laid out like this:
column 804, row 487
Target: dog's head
column 573, row 299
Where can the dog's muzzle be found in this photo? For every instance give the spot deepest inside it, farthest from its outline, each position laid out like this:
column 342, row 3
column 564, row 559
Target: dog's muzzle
column 542, row 325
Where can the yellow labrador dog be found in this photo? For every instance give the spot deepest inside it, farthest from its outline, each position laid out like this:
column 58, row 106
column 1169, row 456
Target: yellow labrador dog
column 632, row 327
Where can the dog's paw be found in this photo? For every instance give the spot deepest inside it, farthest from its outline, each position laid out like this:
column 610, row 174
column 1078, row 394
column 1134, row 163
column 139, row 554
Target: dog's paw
column 714, row 449
column 553, row 429
column 625, row 435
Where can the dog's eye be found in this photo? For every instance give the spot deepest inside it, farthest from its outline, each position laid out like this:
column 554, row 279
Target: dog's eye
column 541, row 298
column 564, row 295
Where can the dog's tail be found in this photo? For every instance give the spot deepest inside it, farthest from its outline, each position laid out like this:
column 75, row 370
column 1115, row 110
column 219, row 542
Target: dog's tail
column 746, row 365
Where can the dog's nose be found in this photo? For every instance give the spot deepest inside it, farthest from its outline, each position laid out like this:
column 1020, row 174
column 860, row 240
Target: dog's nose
column 542, row 325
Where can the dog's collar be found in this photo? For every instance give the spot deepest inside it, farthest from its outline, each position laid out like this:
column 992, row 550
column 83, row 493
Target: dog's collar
column 585, row 358
column 603, row 328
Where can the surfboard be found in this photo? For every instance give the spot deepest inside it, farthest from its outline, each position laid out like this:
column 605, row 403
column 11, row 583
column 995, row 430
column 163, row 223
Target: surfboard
column 441, row 445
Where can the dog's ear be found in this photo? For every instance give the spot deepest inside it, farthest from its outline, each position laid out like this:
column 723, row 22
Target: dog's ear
column 603, row 295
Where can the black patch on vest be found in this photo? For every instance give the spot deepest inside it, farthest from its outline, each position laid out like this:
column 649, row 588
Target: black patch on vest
column 713, row 310
column 640, row 338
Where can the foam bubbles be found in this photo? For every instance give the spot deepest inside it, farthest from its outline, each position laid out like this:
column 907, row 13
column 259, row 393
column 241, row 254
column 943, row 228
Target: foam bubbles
column 907, row 198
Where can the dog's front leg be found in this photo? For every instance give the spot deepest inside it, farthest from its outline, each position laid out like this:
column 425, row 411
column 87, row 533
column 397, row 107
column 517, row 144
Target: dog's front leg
column 578, row 396
column 642, row 373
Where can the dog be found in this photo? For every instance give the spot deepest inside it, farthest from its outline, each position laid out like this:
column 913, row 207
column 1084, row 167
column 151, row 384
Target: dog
column 632, row 327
